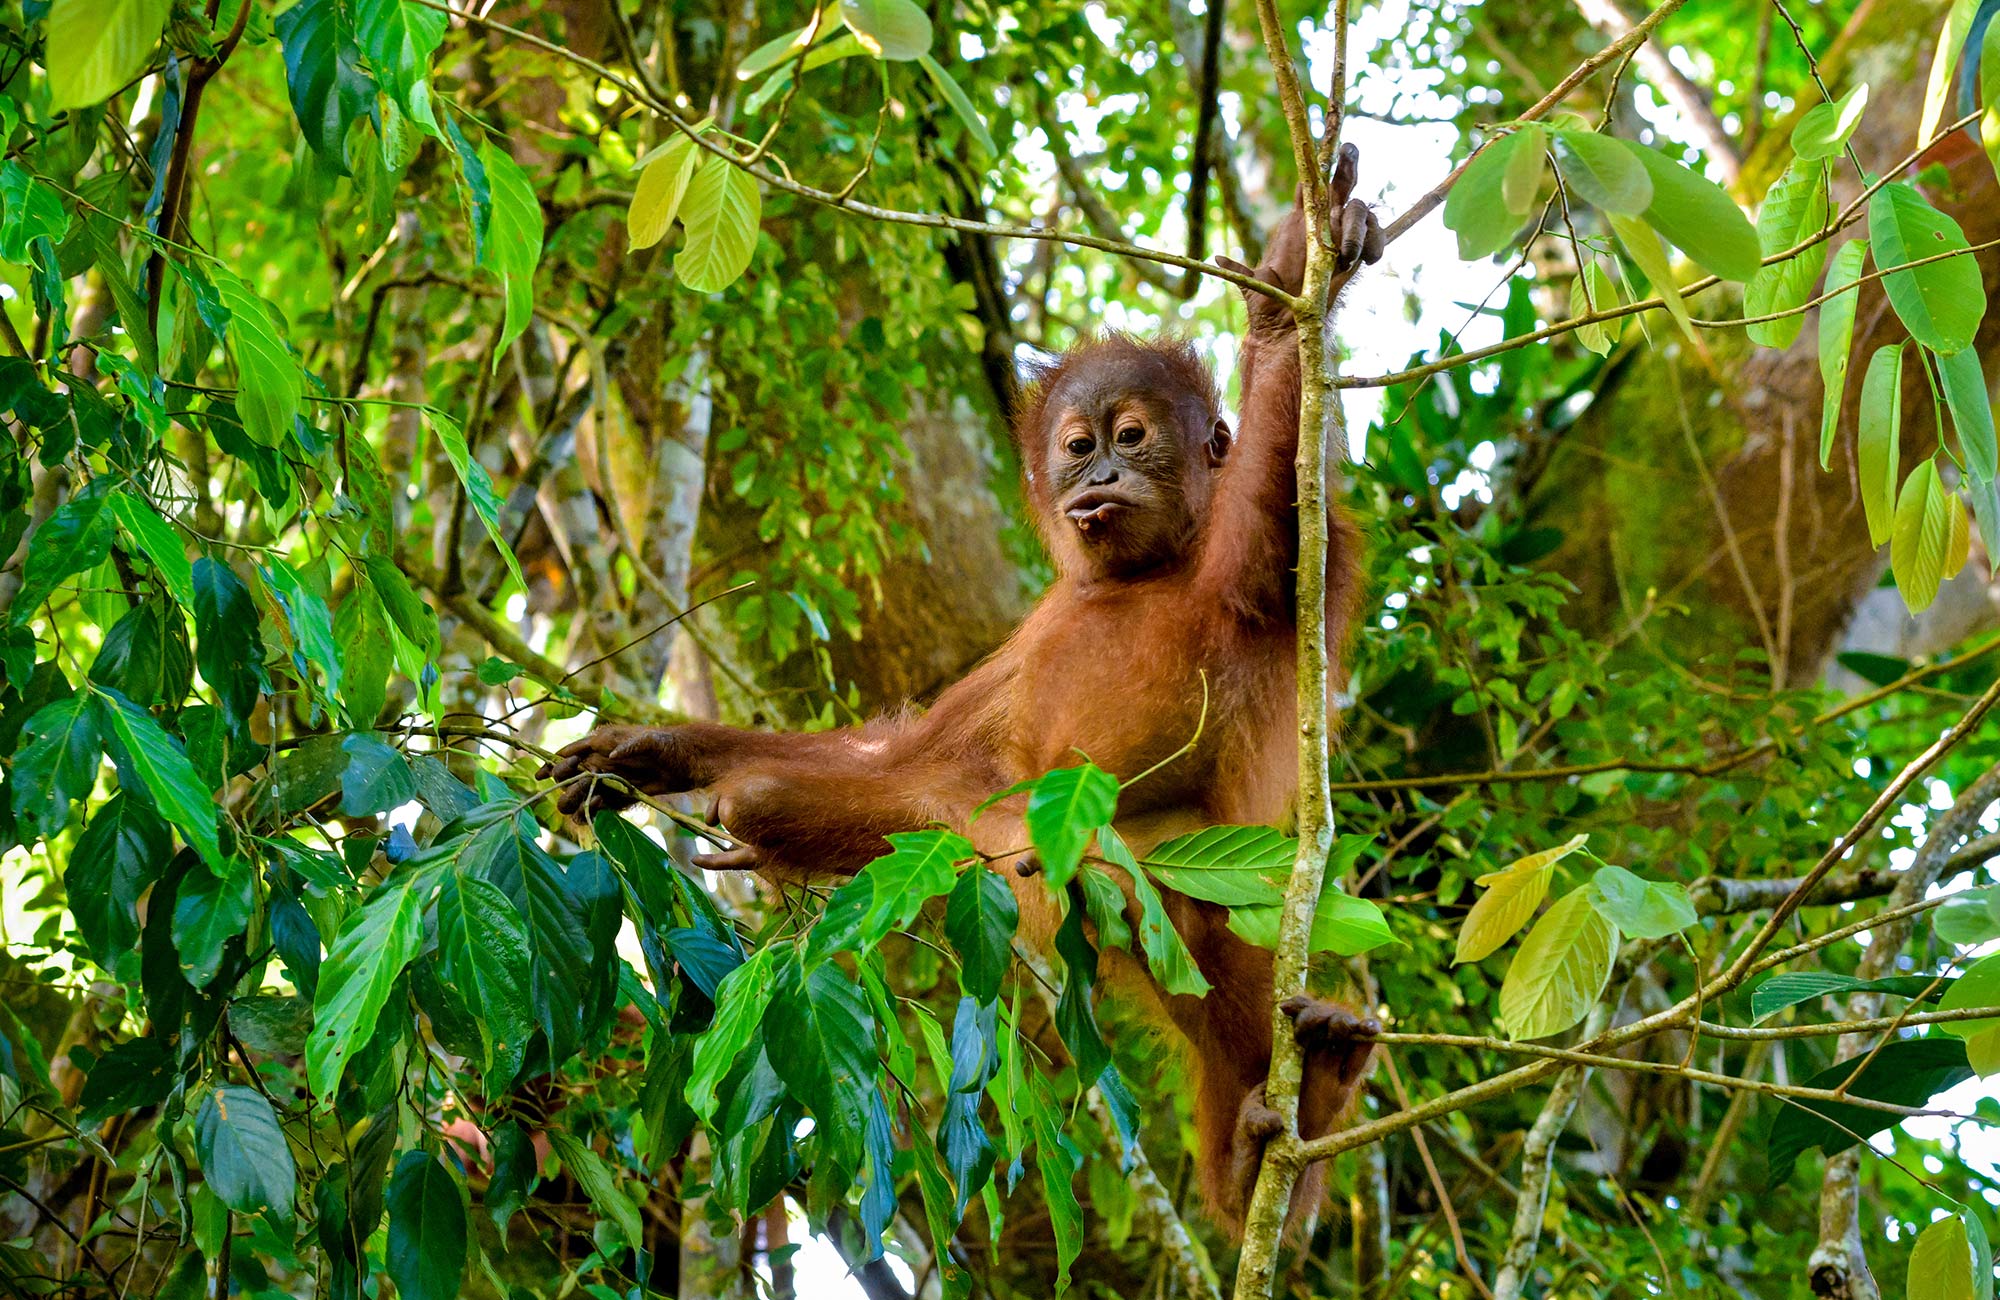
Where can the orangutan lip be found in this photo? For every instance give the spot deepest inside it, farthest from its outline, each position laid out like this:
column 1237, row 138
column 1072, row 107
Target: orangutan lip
column 1092, row 510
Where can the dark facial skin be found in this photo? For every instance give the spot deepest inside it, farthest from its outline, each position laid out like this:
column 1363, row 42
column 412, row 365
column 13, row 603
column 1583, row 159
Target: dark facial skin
column 1131, row 457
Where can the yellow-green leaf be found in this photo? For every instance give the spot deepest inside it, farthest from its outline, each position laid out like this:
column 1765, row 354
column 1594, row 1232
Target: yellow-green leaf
column 1836, row 338
column 1591, row 293
column 1522, row 179
column 1921, row 537
column 1878, row 445
column 1941, row 1263
column 1826, row 128
column 1561, row 969
column 720, row 211
column 661, row 188
column 1651, row 255
column 1512, row 895
column 1958, row 549
column 888, row 29
column 96, row 46
column 1938, row 89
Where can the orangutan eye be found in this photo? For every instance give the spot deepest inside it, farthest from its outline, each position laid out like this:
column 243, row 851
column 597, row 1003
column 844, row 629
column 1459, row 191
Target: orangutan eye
column 1130, row 435
column 1077, row 446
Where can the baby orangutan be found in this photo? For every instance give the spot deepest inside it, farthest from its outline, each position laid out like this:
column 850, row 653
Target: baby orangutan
column 1175, row 541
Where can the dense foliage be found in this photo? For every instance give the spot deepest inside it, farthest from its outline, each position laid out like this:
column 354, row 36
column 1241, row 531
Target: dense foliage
column 393, row 389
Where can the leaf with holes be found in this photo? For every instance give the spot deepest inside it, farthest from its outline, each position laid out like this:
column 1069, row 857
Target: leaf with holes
column 1940, row 302
column 369, row 953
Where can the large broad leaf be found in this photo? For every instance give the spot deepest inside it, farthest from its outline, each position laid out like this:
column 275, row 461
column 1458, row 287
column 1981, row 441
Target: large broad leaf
column 484, row 945
column 118, row 855
column 268, row 377
column 1965, row 392
column 1643, row 909
column 154, row 538
column 721, row 211
column 1940, row 302
column 1941, row 1263
column 1907, row 1072
column 1921, row 537
column 74, row 539
column 398, row 37
column 211, row 907
column 1782, row 991
column 376, row 777
column 821, row 1039
column 1694, row 215
column 56, row 764
column 1604, row 172
column 426, row 1254
column 329, row 91
column 662, row 186
column 567, row 975
column 1485, row 207
column 1836, row 338
column 374, row 945
column 739, row 1010
column 1230, row 865
column 1978, row 987
column 1560, row 970
column 888, row 29
column 890, row 891
column 513, row 243
column 1512, row 895
column 1826, row 128
column 164, row 772
column 1065, row 808
column 1795, row 208
column 1341, row 922
column 29, row 210
column 1878, row 442
column 478, row 485
column 244, row 1157
column 979, row 921
column 95, row 47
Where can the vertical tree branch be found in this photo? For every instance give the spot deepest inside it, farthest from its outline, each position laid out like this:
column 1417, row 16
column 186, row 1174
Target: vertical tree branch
column 1537, row 1165
column 1319, row 427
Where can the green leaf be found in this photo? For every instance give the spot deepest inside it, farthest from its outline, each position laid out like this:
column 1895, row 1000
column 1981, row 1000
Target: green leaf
column 1941, row 303
column 979, row 921
column 1651, row 258
column 888, row 29
column 1836, row 338
column 1941, row 1263
column 662, row 186
column 329, row 91
column 57, row 763
column 1979, row 986
column 1521, row 184
column 164, row 772
column 1479, row 206
column 1065, row 808
column 780, row 49
column 373, row 946
column 1783, row 991
column 1057, row 1160
column 1795, row 208
column 416, row 620
column 1826, row 128
column 1878, row 443
column 268, row 376
column 1989, row 94
column 1971, row 412
column 889, row 892
column 211, row 907
column 74, row 539
column 478, row 485
column 1512, row 895
column 599, row 1184
column 720, row 211
column 1921, row 537
column 96, row 46
column 1593, row 292
column 1167, row 955
column 311, row 623
column 1937, row 90
column 157, row 540
column 1341, row 923
column 484, row 945
column 1560, row 970
column 427, row 1246
column 245, row 1159
column 29, row 210
column 961, row 103
column 1696, row 216
column 117, row 857
column 1906, row 1072
column 513, row 242
column 398, row 37
column 376, row 778
column 1230, row 865
column 1076, row 1022
column 1643, row 909
column 1970, row 916
column 1604, row 172
column 739, row 1009
column 821, row 1039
